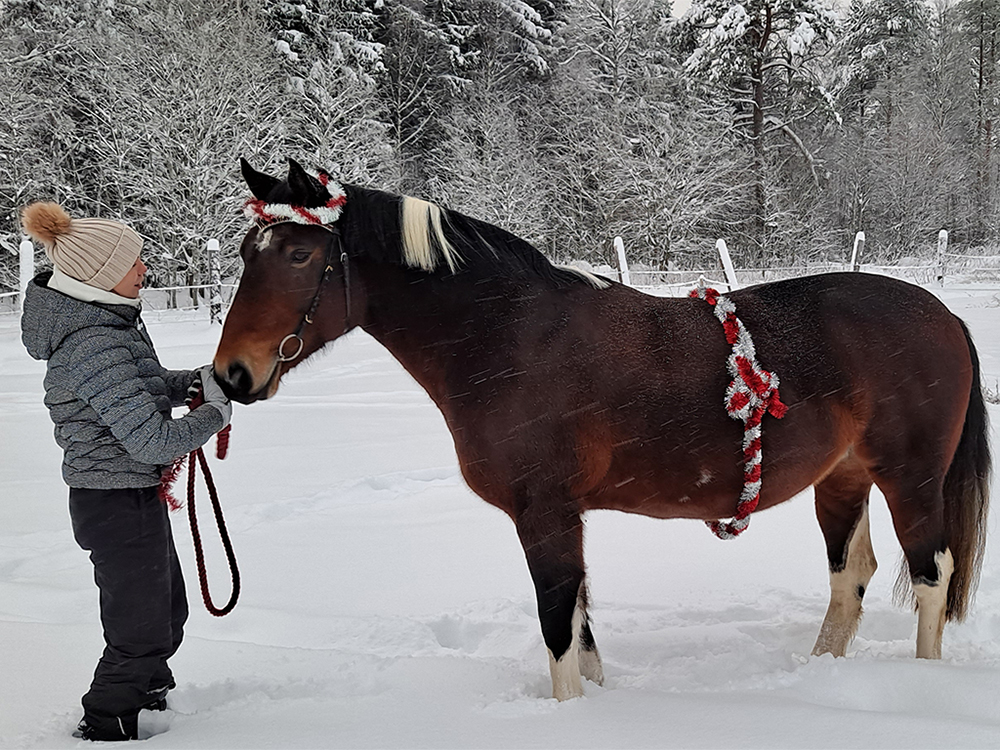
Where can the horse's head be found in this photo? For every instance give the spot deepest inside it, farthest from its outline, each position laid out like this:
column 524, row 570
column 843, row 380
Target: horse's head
column 291, row 299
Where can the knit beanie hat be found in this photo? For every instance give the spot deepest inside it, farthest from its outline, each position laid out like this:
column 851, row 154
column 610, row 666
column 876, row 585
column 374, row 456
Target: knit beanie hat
column 98, row 252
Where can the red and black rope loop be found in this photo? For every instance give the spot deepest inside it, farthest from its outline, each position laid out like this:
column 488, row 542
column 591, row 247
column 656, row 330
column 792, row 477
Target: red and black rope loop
column 194, row 459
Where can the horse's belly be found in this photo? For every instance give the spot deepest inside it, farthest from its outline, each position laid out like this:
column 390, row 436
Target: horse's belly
column 710, row 489
column 697, row 499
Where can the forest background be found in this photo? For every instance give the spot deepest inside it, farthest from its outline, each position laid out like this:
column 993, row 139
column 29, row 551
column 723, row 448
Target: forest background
column 783, row 126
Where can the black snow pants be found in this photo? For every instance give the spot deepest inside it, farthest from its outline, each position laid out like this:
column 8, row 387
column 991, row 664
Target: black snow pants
column 143, row 601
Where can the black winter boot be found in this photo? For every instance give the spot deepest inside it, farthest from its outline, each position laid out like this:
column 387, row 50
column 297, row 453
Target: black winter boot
column 117, row 729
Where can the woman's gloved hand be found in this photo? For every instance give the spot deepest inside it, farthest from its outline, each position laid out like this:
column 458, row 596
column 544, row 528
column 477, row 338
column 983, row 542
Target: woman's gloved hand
column 214, row 396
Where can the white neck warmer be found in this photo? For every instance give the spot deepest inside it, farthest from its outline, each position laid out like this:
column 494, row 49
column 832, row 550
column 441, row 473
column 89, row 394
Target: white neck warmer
column 85, row 292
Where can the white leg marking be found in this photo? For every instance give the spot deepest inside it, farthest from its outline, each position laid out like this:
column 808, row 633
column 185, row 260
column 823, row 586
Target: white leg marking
column 932, row 604
column 844, row 612
column 565, row 671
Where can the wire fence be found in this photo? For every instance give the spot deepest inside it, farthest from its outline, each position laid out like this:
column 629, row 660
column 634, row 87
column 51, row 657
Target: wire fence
column 156, row 300
column 970, row 267
column 678, row 283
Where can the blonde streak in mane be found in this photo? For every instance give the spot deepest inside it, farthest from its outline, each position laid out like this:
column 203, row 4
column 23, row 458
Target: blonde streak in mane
column 422, row 227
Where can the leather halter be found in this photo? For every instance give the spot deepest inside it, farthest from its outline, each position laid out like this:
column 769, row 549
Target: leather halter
column 335, row 243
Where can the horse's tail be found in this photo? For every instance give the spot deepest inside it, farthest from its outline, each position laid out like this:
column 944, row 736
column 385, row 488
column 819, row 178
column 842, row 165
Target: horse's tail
column 967, row 495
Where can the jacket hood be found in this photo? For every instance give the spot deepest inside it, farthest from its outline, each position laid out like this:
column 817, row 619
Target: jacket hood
column 50, row 317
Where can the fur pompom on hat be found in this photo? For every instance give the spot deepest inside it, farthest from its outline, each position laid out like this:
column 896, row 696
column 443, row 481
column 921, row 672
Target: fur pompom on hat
column 98, row 252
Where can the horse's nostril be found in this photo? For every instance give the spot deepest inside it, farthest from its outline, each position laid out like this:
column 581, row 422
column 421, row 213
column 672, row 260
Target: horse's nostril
column 238, row 380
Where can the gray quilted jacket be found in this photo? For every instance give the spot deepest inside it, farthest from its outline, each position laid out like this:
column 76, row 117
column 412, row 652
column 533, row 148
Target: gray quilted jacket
column 108, row 395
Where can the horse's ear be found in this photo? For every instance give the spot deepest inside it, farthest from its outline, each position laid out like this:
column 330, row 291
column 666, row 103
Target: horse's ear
column 260, row 184
column 308, row 191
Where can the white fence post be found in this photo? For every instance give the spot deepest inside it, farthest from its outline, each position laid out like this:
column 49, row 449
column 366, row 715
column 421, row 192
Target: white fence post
column 27, row 270
column 727, row 264
column 215, row 281
column 623, row 274
column 942, row 249
column 859, row 249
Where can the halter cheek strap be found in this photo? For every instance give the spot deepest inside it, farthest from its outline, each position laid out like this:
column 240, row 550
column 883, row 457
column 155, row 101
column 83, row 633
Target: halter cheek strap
column 335, row 243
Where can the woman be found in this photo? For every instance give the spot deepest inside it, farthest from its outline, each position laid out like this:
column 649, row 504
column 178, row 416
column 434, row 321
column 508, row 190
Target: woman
column 111, row 400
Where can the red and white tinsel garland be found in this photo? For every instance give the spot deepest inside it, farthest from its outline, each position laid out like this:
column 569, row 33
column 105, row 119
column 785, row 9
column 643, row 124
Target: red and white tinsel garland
column 753, row 392
column 265, row 213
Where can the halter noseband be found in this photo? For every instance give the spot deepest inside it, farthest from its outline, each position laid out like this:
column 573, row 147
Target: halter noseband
column 335, row 243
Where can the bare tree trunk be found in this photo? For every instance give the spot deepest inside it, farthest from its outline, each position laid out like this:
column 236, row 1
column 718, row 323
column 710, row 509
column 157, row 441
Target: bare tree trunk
column 759, row 228
column 985, row 63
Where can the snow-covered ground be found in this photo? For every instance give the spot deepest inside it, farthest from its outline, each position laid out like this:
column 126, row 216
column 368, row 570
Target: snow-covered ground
column 384, row 605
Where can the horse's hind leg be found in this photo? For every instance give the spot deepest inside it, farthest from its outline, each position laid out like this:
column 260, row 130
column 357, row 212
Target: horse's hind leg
column 842, row 511
column 932, row 606
column 552, row 538
column 917, row 506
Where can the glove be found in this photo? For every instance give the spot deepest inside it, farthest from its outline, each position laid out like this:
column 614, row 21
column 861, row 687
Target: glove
column 214, row 395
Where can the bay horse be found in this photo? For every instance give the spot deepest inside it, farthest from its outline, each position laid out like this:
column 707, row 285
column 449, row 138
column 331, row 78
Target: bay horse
column 565, row 392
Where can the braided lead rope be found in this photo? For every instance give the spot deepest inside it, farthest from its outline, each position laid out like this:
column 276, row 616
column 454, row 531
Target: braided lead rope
column 223, row 535
column 752, row 393
column 169, row 477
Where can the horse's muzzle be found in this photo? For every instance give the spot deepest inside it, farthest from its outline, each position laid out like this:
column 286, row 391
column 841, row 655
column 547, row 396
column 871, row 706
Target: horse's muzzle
column 237, row 384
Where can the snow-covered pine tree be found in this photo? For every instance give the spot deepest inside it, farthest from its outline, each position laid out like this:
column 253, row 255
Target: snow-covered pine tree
column 881, row 87
column 879, row 42
column 415, row 87
column 609, row 33
column 637, row 154
column 489, row 61
column 338, row 34
column 333, row 115
column 495, row 40
column 761, row 57
column 980, row 26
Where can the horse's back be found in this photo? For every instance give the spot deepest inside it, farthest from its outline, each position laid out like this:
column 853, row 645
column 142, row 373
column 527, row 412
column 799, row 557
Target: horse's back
column 875, row 335
column 835, row 334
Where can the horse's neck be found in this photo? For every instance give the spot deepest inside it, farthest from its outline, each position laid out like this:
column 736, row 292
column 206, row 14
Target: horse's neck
column 438, row 328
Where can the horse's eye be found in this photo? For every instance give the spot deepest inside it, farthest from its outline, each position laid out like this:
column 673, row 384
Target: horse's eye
column 300, row 256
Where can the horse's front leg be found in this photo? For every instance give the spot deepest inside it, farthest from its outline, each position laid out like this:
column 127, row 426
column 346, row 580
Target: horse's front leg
column 551, row 533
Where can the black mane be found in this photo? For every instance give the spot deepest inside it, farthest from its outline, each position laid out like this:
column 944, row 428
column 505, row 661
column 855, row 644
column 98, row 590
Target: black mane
column 479, row 246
